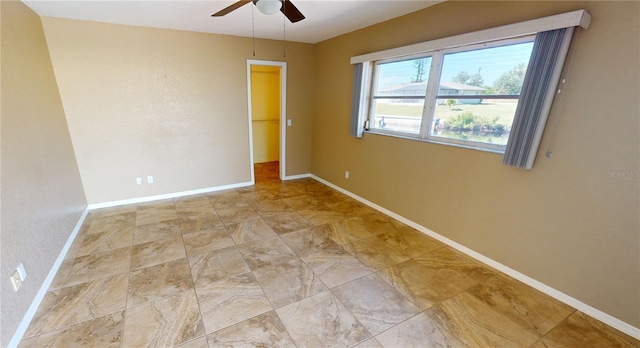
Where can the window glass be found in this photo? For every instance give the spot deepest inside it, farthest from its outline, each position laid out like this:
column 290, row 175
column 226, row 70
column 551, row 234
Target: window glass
column 478, row 93
column 399, row 95
column 471, row 100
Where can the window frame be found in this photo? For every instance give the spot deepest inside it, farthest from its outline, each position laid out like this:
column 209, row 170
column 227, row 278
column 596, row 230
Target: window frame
column 519, row 148
column 431, row 97
column 374, row 86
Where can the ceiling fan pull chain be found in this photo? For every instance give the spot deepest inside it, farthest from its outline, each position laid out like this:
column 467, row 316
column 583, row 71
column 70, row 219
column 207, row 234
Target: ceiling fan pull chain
column 253, row 33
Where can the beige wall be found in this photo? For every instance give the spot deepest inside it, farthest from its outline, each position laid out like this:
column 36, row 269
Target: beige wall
column 569, row 222
column 42, row 197
column 172, row 104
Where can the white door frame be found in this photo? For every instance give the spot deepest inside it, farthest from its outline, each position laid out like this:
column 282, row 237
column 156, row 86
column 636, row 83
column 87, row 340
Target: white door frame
column 283, row 114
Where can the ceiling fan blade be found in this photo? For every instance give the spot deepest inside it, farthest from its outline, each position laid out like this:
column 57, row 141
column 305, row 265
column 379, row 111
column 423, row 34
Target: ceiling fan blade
column 291, row 12
column 231, row 8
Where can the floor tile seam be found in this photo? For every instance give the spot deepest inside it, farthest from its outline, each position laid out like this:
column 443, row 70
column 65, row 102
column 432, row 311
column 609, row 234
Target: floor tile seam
column 40, row 333
column 236, row 244
column 93, row 217
column 187, row 200
column 120, row 226
column 227, row 225
column 310, row 255
column 54, row 329
column 297, row 211
column 208, row 229
column 243, row 207
column 373, row 337
column 286, row 329
column 446, row 264
column 163, row 239
column 429, row 252
column 283, row 323
column 471, row 317
column 215, row 211
column 186, row 257
column 256, row 240
column 352, row 280
column 126, row 311
column 379, row 273
column 205, row 251
column 619, row 335
column 190, row 216
column 337, row 298
column 90, row 280
column 273, row 308
column 227, row 326
column 355, row 254
column 154, row 303
column 280, row 263
column 317, row 275
column 156, row 222
column 191, row 340
column 70, row 326
column 153, row 264
column 394, row 289
column 163, row 297
column 127, row 246
column 574, row 311
column 198, row 302
column 266, row 214
column 126, row 302
column 396, row 325
column 274, row 264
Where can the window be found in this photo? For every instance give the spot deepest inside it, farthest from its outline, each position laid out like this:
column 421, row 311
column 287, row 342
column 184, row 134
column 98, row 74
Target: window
column 490, row 90
column 471, row 100
column 398, row 96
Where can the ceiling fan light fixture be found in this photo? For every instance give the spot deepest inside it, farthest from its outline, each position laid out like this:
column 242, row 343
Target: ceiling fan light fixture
column 269, row 7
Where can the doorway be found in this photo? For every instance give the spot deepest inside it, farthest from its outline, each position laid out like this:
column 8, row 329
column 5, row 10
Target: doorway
column 267, row 117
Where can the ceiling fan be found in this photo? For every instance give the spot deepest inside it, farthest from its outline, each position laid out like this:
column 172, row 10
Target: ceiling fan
column 268, row 7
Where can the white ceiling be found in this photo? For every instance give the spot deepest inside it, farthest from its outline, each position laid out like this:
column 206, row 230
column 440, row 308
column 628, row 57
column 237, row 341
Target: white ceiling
column 324, row 19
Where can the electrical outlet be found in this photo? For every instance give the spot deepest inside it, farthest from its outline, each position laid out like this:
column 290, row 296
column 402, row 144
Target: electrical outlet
column 346, row 174
column 150, row 179
column 18, row 277
column 139, row 181
column 16, row 281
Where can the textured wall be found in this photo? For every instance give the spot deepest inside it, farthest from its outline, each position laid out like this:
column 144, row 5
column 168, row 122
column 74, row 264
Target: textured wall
column 172, row 104
column 42, row 196
column 571, row 222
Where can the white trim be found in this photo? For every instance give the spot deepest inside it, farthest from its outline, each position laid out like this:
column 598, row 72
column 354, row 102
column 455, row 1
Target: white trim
column 580, row 18
column 168, row 195
column 31, row 312
column 298, row 176
column 249, row 123
column 283, row 113
column 558, row 295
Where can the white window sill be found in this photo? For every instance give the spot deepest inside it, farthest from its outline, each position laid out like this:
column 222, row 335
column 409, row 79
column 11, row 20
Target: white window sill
column 459, row 143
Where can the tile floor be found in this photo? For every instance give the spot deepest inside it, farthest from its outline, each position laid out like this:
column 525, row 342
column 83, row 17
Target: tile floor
column 287, row 264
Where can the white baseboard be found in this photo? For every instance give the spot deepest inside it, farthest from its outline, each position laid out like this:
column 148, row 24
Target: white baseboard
column 559, row 295
column 31, row 312
column 184, row 193
column 296, row 177
column 168, row 195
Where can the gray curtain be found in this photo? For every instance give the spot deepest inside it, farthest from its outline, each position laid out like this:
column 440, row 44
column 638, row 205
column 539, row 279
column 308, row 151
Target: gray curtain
column 538, row 90
column 355, row 129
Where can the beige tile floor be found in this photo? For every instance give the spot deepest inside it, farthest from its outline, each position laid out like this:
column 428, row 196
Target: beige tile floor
column 287, row 264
